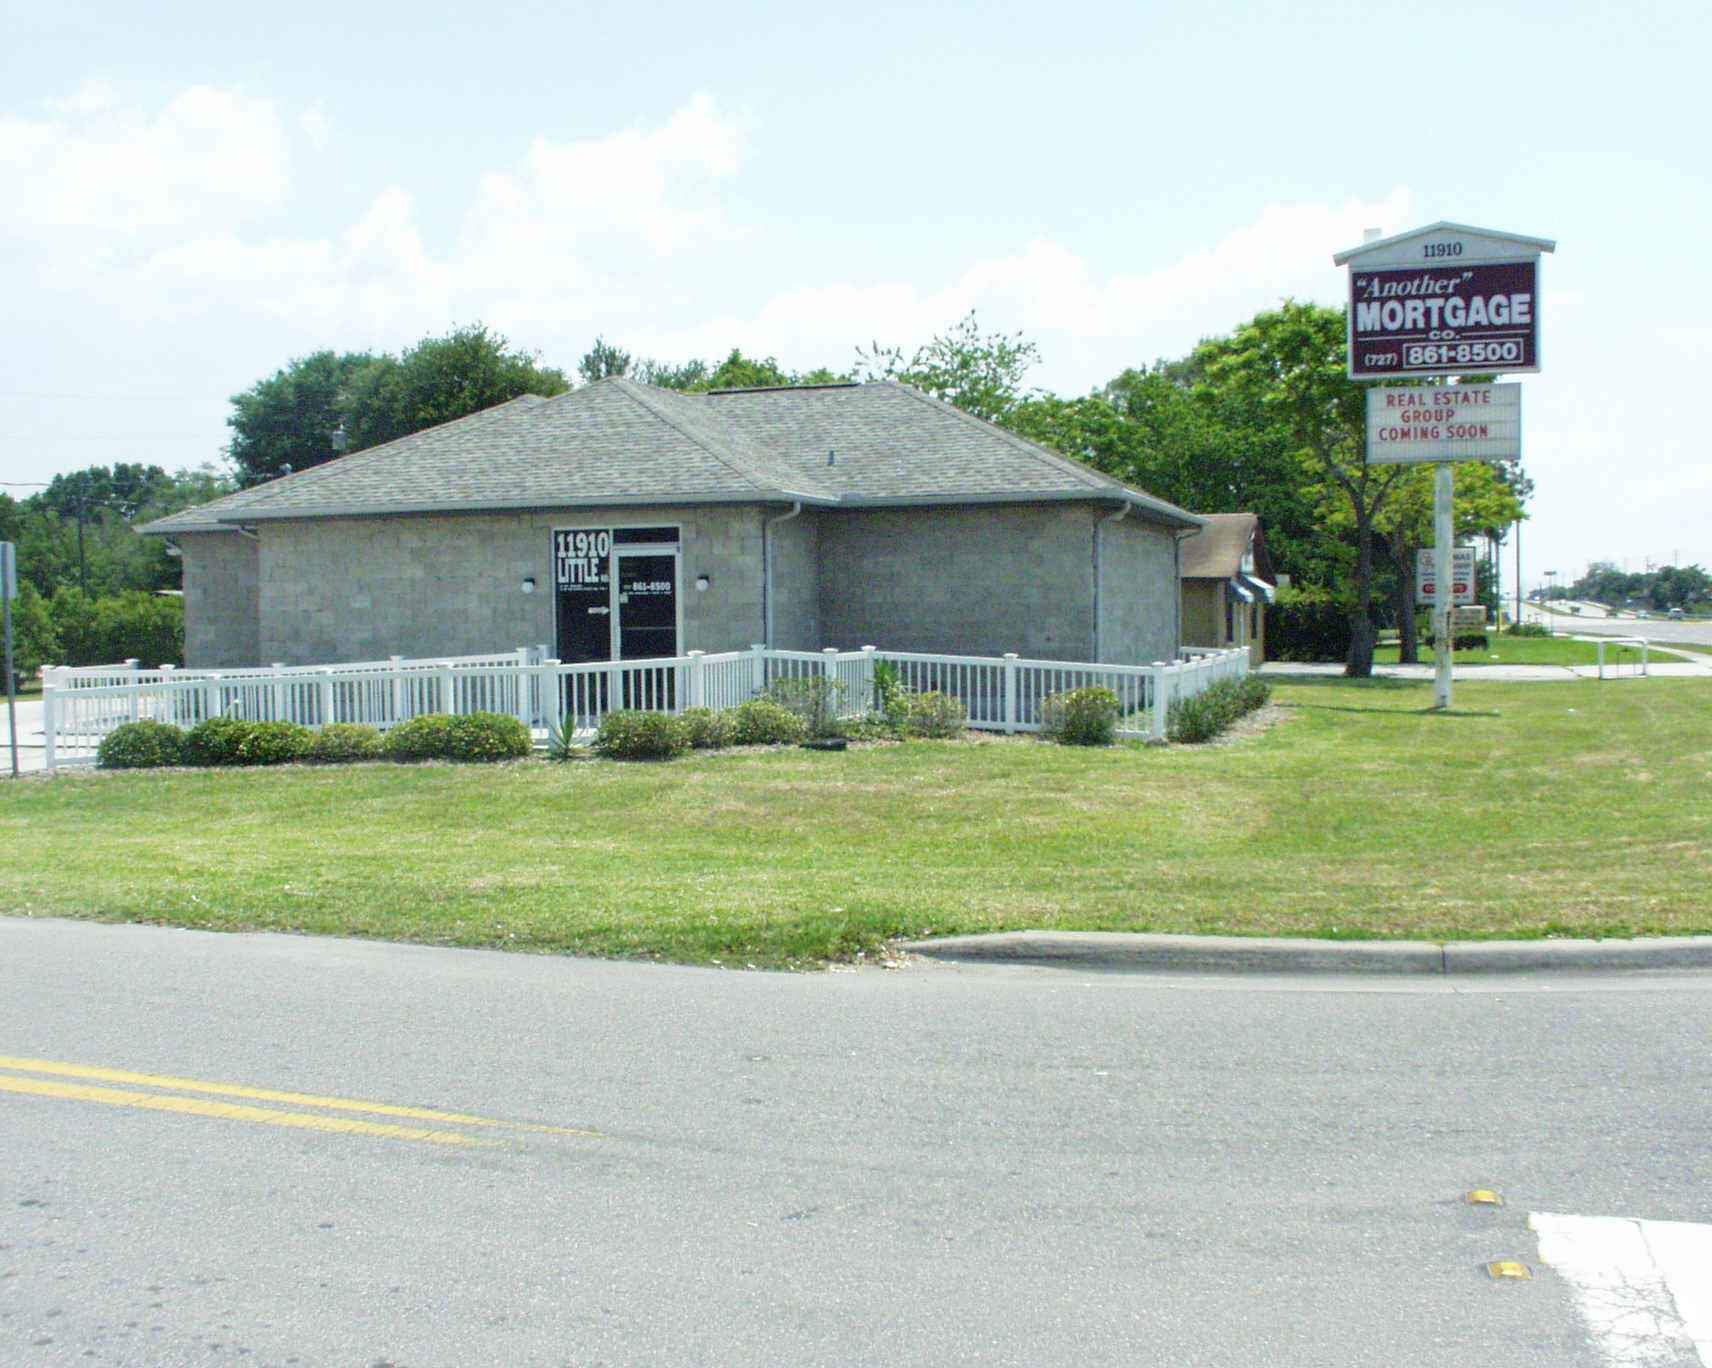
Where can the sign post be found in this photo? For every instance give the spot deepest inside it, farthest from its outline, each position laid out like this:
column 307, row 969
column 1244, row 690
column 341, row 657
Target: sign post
column 1430, row 304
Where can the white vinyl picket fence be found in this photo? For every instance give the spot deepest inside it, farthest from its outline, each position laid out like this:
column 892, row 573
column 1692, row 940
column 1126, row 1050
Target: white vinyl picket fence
column 1000, row 693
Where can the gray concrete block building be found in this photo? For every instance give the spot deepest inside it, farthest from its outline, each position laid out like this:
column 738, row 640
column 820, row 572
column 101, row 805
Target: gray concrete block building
column 620, row 521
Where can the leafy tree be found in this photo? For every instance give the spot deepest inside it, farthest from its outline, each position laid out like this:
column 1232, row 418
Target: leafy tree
column 34, row 641
column 1679, row 586
column 328, row 403
column 436, row 381
column 603, row 361
column 1485, row 501
column 980, row 373
column 291, row 420
column 78, row 529
column 737, row 371
column 127, row 626
column 1291, row 361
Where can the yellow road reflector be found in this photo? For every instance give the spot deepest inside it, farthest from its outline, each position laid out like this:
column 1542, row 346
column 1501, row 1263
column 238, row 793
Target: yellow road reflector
column 1508, row 1268
column 1481, row 1197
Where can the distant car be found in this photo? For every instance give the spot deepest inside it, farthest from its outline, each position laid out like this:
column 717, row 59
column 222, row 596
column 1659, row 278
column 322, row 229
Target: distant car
column 1642, row 612
column 1675, row 614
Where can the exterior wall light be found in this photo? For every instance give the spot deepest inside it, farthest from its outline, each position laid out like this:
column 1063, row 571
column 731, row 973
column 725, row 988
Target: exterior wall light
column 701, row 583
column 529, row 585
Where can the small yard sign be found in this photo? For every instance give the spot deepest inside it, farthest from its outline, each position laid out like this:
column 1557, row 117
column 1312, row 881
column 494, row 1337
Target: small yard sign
column 1461, row 575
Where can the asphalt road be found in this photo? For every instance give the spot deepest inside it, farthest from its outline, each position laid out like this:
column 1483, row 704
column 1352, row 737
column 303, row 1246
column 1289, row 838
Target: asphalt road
column 1657, row 628
column 935, row 1165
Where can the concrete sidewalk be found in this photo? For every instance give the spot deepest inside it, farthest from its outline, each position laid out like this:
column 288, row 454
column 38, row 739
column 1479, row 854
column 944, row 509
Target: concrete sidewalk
column 1121, row 952
column 31, row 754
column 1505, row 674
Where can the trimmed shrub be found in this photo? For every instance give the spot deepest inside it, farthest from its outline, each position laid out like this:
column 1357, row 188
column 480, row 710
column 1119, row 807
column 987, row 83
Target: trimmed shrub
column 140, row 745
column 342, row 743
column 217, row 741
column 630, row 734
column 476, row 736
column 761, row 722
column 1201, row 718
column 232, row 741
column 706, row 729
column 1527, row 629
column 936, row 714
column 1082, row 717
column 273, row 743
column 816, row 699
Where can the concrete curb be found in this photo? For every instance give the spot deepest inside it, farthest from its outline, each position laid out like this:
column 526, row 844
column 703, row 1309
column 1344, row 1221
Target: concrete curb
column 1121, row 952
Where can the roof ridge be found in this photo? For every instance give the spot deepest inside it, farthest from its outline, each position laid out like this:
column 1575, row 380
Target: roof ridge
column 764, row 478
column 1056, row 458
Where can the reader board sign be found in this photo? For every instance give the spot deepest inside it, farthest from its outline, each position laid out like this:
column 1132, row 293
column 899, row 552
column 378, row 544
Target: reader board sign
column 1439, row 319
column 1427, row 423
column 1461, row 576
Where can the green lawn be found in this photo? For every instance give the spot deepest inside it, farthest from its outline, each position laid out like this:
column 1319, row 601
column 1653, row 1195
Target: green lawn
column 1531, row 810
column 1559, row 650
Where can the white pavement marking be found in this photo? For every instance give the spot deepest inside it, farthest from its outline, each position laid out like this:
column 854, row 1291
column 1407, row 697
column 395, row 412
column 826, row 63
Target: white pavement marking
column 1644, row 1287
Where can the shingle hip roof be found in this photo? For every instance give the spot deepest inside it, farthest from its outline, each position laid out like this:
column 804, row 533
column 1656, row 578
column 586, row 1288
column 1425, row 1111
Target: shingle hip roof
column 618, row 442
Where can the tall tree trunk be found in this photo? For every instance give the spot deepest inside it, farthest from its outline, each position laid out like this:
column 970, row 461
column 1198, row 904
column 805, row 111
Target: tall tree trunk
column 1360, row 663
column 1408, row 643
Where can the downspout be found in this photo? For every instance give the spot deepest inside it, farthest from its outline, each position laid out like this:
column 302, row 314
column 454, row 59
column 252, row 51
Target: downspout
column 767, row 568
column 1178, row 537
column 1099, row 566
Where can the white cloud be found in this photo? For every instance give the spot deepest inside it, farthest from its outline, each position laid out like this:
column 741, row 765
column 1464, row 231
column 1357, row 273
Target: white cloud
column 576, row 195
column 106, row 169
column 95, row 96
column 1087, row 329
column 315, row 126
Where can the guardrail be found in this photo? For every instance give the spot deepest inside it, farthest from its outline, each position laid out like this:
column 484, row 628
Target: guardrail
column 999, row 693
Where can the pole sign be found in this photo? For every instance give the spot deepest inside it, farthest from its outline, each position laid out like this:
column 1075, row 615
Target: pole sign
column 1444, row 300
column 8, row 571
column 1436, row 319
column 1461, row 576
column 1424, row 423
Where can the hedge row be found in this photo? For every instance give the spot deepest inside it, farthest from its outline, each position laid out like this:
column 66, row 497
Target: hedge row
column 1209, row 712
column 231, row 741
column 785, row 716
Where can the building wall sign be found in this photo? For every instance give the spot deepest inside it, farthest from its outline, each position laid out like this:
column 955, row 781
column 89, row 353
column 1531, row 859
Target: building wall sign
column 1439, row 318
column 1422, row 423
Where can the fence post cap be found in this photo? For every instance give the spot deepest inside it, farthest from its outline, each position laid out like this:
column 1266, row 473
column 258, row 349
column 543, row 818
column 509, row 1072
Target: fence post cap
column 870, row 649
column 693, row 654
column 829, row 650
column 1012, row 655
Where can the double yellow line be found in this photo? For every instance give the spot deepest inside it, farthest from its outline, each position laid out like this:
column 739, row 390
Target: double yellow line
column 26, row 1076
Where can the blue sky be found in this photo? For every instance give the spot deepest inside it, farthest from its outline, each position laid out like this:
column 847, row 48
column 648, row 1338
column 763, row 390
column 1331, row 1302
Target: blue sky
column 193, row 194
